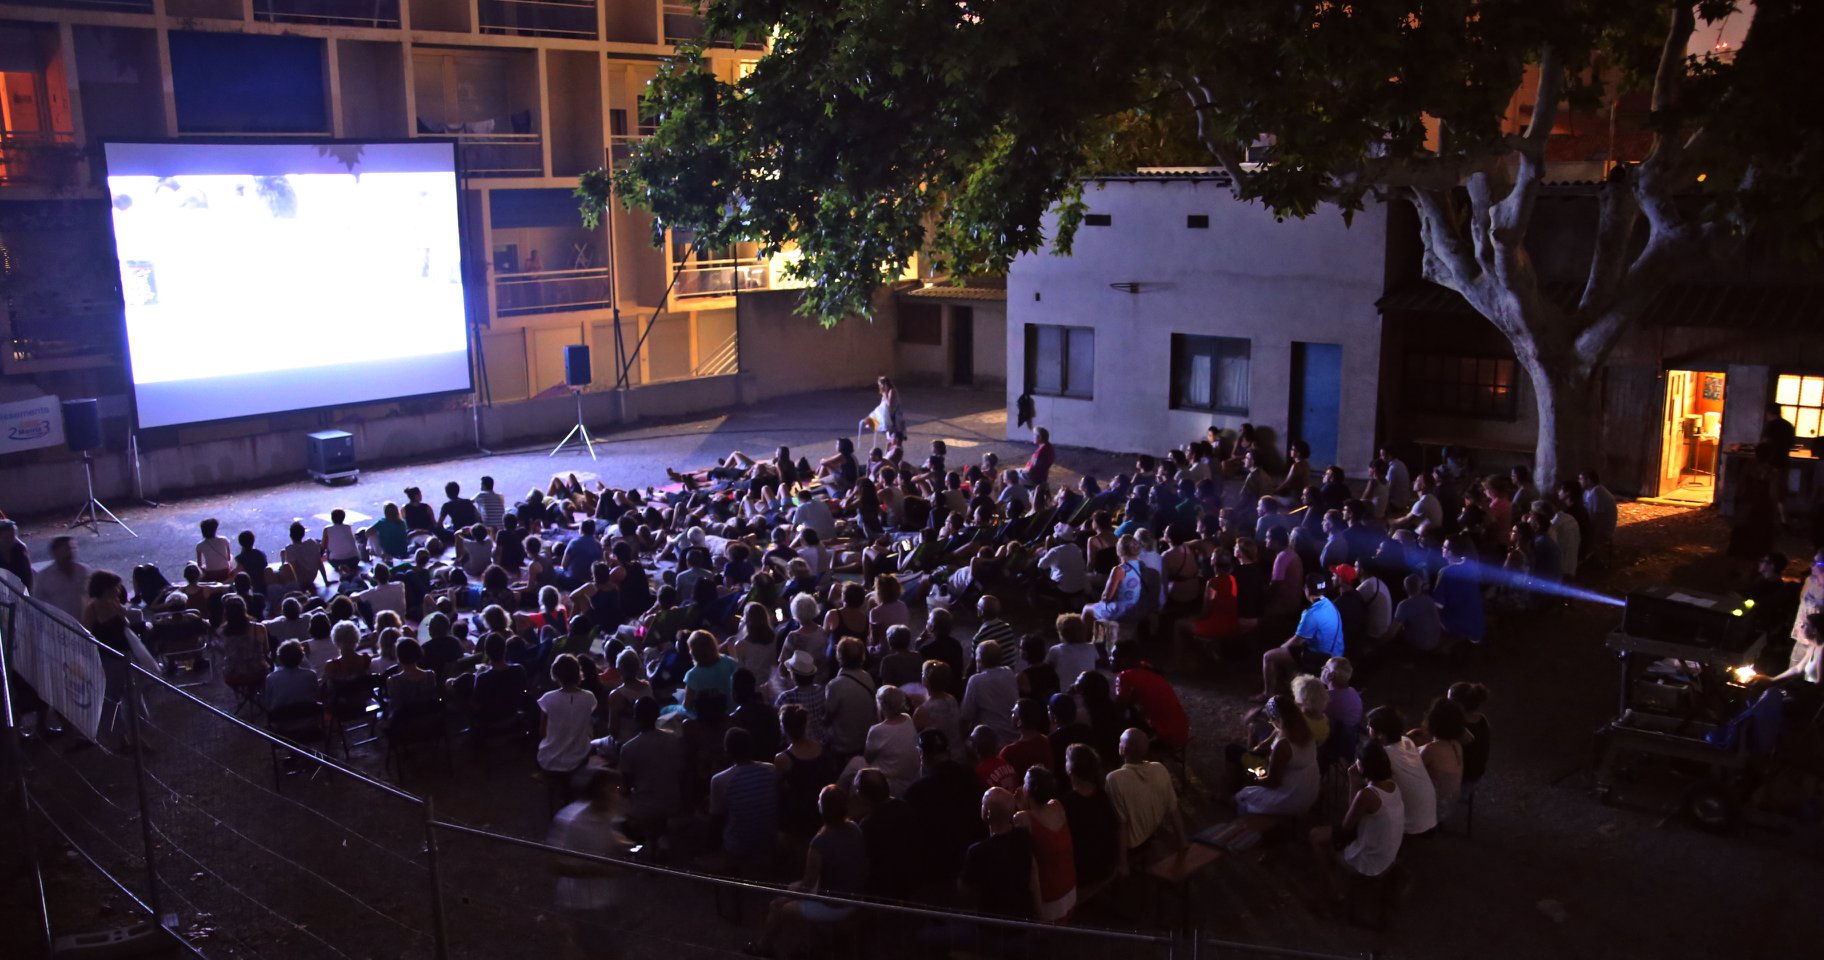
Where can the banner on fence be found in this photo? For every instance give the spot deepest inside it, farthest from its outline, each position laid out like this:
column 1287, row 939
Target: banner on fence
column 55, row 655
column 30, row 424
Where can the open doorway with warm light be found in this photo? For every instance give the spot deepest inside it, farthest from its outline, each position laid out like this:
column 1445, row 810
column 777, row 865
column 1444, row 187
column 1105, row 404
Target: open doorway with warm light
column 1690, row 435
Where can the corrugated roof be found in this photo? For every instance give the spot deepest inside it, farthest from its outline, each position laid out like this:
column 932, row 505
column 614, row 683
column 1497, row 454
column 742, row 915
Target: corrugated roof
column 1733, row 305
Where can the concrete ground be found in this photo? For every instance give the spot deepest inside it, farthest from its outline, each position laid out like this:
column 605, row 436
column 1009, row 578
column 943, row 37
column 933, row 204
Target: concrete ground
column 1549, row 872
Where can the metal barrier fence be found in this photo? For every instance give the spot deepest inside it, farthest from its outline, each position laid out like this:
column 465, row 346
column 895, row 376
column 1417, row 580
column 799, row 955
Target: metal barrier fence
column 245, row 845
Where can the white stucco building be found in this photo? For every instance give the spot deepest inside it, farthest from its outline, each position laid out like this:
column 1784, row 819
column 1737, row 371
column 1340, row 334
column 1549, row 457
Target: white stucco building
column 1181, row 307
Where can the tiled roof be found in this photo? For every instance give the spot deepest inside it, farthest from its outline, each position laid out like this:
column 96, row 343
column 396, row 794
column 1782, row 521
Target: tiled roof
column 1735, row 305
column 945, row 291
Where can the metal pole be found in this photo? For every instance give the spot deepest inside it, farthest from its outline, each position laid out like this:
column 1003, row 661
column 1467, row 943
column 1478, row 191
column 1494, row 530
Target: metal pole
column 440, row 937
column 15, row 759
column 130, row 703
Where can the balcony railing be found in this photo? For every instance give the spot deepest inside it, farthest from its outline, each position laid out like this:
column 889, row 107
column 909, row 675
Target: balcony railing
column 111, row 6
column 551, row 291
column 622, row 146
column 502, row 154
column 46, row 157
column 539, row 18
column 684, row 22
column 720, row 278
column 343, row 13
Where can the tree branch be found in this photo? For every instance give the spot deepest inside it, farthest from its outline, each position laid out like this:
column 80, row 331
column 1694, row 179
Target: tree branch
column 1616, row 214
column 1447, row 262
column 1202, row 103
column 1510, row 218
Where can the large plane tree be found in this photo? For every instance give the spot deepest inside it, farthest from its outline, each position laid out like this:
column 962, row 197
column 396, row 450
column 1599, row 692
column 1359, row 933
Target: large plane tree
column 873, row 129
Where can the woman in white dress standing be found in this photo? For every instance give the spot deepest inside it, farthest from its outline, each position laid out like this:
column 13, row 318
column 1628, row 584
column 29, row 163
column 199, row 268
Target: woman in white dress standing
column 886, row 417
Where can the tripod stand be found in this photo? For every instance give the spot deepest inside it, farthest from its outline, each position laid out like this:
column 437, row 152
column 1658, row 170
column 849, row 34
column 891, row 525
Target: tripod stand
column 577, row 430
column 94, row 513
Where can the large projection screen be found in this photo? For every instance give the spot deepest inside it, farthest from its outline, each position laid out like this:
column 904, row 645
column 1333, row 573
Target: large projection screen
column 266, row 277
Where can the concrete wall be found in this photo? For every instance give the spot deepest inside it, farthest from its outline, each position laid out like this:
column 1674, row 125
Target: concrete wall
column 1247, row 276
column 784, row 353
column 48, row 484
column 931, row 363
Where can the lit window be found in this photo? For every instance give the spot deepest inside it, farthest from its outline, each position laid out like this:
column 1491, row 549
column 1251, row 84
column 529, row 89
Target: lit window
column 1801, row 401
column 1484, row 388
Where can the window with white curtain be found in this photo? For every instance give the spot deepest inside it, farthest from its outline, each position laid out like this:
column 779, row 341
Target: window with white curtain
column 1210, row 373
column 1060, row 361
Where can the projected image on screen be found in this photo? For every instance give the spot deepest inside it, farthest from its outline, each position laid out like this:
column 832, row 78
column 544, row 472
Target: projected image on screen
column 260, row 278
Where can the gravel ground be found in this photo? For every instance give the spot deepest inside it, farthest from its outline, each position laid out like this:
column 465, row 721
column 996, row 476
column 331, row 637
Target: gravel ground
column 1550, row 871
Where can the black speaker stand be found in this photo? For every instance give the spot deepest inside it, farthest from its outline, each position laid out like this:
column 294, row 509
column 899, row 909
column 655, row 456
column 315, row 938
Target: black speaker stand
column 576, row 431
column 94, row 513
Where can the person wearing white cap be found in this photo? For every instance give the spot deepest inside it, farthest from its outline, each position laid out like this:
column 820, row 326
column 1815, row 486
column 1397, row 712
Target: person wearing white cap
column 805, row 691
column 1064, row 562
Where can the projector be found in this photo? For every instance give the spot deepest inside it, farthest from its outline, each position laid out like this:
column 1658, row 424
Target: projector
column 1671, row 618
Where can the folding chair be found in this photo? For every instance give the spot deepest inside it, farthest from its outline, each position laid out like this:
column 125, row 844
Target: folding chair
column 300, row 725
column 413, row 726
column 354, row 704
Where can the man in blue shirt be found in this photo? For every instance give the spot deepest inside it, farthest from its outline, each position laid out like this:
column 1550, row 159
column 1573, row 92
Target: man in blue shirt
column 582, row 555
column 1318, row 638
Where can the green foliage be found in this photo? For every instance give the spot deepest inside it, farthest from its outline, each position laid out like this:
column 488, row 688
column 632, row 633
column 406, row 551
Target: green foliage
column 875, row 130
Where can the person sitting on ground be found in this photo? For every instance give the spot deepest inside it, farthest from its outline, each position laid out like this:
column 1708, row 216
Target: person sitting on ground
column 214, row 554
column 341, row 551
column 1419, row 798
column 1368, row 841
column 836, row 863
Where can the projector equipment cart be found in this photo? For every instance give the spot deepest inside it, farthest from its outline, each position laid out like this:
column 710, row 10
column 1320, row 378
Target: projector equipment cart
column 94, row 513
column 1678, row 650
column 578, row 430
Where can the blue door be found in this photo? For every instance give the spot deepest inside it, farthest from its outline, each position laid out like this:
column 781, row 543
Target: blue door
column 1317, row 399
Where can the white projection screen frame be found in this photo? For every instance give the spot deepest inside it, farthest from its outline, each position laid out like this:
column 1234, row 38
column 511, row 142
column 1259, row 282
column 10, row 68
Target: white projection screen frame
column 264, row 278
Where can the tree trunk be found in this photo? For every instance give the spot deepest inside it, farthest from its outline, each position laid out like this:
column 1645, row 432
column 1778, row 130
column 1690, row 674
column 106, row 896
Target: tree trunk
column 1569, row 420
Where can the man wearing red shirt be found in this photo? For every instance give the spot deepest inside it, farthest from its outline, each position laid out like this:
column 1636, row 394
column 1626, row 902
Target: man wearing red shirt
column 1033, row 748
column 1138, row 684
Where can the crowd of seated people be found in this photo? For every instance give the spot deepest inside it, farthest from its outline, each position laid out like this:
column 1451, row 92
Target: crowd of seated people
column 766, row 652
